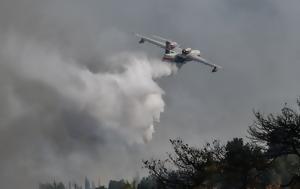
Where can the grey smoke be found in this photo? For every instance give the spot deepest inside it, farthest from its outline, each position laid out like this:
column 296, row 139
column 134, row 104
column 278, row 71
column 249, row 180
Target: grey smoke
column 63, row 109
column 47, row 48
column 72, row 104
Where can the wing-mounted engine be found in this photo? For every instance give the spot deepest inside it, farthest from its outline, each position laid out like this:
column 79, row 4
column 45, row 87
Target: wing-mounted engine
column 186, row 51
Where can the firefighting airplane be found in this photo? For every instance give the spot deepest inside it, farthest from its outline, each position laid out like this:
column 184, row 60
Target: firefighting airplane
column 176, row 55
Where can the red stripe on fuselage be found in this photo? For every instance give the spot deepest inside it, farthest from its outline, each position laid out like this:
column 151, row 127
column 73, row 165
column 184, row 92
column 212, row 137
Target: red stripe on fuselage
column 168, row 59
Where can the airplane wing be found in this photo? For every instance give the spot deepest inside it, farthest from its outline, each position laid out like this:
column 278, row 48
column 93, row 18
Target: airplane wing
column 164, row 39
column 203, row 61
column 153, row 41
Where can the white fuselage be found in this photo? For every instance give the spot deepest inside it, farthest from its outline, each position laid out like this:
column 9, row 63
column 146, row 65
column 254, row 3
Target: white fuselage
column 182, row 57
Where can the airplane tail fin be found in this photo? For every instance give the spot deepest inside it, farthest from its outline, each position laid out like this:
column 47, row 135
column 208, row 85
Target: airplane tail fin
column 168, row 47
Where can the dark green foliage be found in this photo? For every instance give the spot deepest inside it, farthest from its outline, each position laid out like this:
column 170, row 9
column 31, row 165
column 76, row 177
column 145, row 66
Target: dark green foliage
column 188, row 167
column 281, row 133
column 147, row 183
column 236, row 164
column 101, row 187
column 242, row 164
column 116, row 184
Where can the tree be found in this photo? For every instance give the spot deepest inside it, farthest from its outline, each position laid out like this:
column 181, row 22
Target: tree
column 147, row 183
column 234, row 165
column 242, row 164
column 53, row 185
column 188, row 167
column 281, row 133
column 117, row 184
column 101, row 187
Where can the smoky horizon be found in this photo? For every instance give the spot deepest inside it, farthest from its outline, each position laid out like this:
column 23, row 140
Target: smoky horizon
column 80, row 97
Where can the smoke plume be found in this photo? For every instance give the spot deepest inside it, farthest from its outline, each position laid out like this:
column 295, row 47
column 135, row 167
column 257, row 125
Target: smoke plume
column 72, row 102
column 72, row 106
column 127, row 101
column 63, row 109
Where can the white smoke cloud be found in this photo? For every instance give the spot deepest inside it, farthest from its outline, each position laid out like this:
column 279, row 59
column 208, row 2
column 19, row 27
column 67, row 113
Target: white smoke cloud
column 64, row 120
column 126, row 100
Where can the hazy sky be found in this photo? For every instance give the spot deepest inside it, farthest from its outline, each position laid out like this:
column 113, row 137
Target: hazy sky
column 51, row 54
